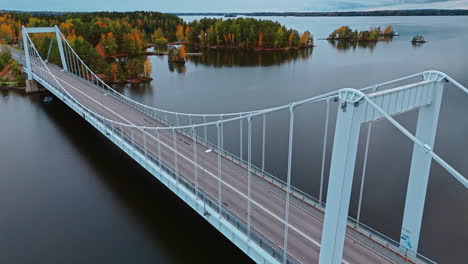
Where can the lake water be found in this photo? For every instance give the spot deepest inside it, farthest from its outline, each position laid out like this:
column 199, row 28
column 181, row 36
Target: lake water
column 68, row 194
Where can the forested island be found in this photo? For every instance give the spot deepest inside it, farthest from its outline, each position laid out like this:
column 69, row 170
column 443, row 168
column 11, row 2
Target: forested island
column 375, row 34
column 245, row 33
column 109, row 41
column 418, row 40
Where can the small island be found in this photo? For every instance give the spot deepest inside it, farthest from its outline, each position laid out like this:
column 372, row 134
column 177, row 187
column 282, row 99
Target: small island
column 418, row 40
column 243, row 33
column 375, row 34
column 177, row 55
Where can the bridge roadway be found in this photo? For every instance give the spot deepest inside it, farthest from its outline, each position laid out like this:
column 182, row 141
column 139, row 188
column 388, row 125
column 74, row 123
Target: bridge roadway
column 305, row 220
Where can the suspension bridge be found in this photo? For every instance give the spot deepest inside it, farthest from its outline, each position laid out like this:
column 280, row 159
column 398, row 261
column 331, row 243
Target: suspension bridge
column 270, row 220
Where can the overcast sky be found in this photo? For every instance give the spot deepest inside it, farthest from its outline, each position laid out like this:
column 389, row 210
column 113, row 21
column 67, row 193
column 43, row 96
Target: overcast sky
column 227, row 6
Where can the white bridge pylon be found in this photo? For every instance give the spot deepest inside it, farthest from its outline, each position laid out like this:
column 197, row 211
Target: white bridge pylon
column 355, row 107
column 56, row 31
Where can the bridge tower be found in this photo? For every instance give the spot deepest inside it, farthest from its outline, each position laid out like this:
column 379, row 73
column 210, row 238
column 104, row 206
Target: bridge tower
column 31, row 84
column 354, row 111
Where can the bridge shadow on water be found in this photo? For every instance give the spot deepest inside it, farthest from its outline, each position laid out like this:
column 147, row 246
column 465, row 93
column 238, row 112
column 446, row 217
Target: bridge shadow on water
column 173, row 227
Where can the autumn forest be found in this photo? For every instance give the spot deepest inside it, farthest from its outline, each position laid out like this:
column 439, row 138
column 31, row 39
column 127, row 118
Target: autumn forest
column 108, row 41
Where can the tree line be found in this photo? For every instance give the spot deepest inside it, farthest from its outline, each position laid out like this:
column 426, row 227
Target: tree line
column 245, row 33
column 374, row 34
column 104, row 40
column 96, row 37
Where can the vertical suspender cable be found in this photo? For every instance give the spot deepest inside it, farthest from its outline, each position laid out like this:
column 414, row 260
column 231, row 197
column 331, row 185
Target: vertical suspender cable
column 78, row 66
column 263, row 143
column 77, row 61
column 222, row 137
column 50, row 48
column 290, row 148
column 144, row 143
column 249, row 174
column 324, row 151
column 195, row 162
column 67, row 56
column 204, row 127
column 218, row 128
column 176, row 165
column 85, row 72
column 159, row 146
column 133, row 139
column 240, row 137
column 74, row 63
column 364, row 166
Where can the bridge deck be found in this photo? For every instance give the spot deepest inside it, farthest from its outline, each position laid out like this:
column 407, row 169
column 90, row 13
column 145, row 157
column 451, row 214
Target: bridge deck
column 304, row 217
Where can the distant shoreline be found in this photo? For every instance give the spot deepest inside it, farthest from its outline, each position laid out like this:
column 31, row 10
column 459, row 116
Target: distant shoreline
column 407, row 12
column 423, row 12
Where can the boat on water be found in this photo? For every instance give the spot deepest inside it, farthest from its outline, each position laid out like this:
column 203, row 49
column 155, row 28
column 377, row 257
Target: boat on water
column 47, row 99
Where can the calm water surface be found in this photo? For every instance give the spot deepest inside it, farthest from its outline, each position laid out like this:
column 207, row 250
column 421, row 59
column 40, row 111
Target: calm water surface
column 68, row 195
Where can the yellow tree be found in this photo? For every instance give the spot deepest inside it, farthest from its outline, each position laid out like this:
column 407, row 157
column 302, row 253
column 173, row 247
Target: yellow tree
column 147, row 69
column 306, row 39
column 388, row 30
column 7, row 33
column 260, row 40
column 290, row 39
column 187, row 31
column 66, row 27
column 180, row 33
column 114, row 71
column 182, row 52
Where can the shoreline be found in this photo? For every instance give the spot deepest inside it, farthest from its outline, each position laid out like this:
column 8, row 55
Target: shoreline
column 130, row 81
column 21, row 88
column 17, row 88
column 372, row 13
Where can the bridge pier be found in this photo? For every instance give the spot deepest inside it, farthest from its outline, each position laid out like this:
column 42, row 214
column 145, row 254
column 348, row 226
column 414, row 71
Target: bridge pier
column 32, row 86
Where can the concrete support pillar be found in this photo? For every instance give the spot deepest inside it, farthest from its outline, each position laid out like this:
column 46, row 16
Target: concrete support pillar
column 341, row 178
column 419, row 172
column 32, row 86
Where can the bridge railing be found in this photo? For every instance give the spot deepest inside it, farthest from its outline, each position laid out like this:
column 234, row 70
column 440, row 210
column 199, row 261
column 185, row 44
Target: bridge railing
column 78, row 67
column 266, row 244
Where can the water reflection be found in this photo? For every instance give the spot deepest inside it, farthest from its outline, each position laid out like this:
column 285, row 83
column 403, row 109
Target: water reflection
column 243, row 58
column 347, row 44
column 134, row 89
column 177, row 67
column 417, row 44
